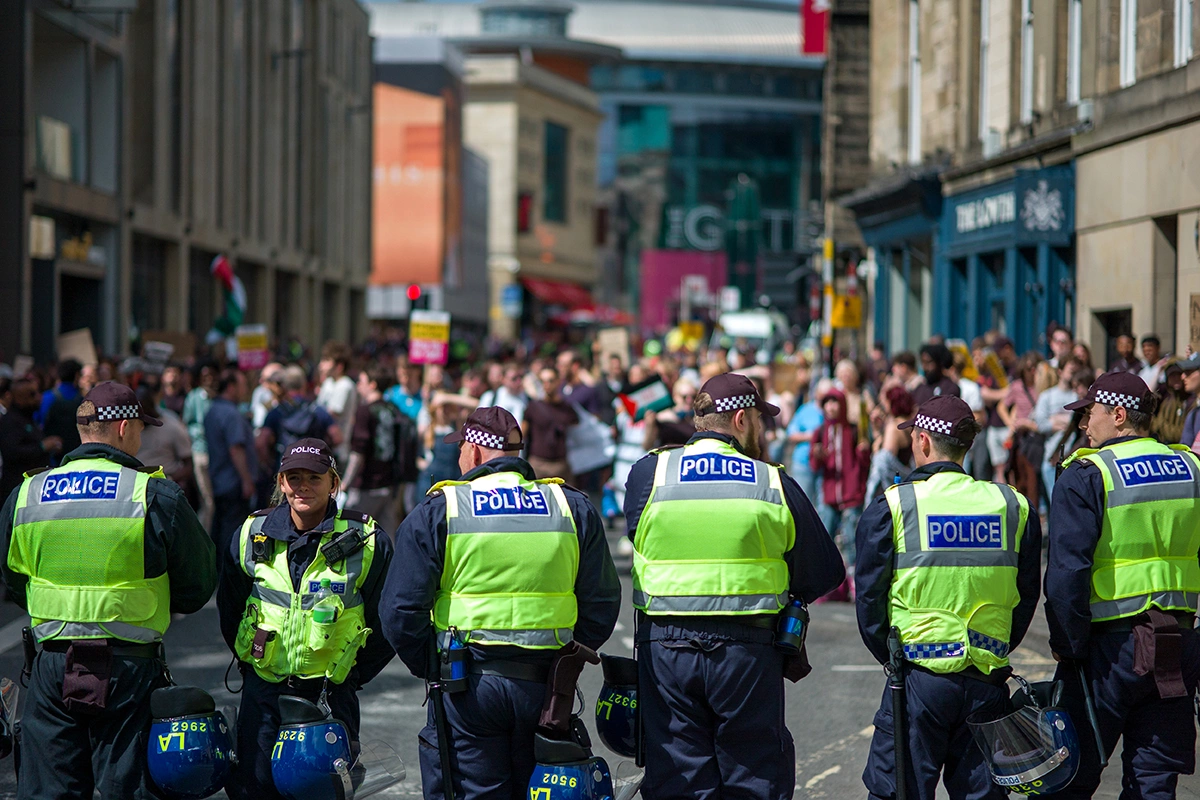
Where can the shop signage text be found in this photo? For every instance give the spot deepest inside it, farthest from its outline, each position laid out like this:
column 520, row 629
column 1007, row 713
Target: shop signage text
column 703, row 228
column 974, row 215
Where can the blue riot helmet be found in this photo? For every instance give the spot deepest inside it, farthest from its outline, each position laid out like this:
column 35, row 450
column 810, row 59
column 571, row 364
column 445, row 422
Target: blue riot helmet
column 1032, row 749
column 567, row 770
column 191, row 750
column 616, row 708
column 311, row 759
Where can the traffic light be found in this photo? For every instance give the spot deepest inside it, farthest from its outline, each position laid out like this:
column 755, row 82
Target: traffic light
column 414, row 292
column 417, row 299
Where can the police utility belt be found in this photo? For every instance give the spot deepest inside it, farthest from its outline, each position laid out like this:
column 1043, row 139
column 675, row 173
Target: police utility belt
column 1157, row 646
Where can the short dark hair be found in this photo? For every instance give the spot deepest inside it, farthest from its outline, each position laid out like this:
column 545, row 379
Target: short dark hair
column 939, row 354
column 906, row 358
column 381, row 376
column 337, row 352
column 228, row 377
column 1141, row 420
column 953, row 447
column 68, row 370
column 1151, row 337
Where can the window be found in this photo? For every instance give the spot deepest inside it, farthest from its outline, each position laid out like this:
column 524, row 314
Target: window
column 1074, row 49
column 554, row 182
column 1128, row 43
column 1183, row 32
column 984, row 26
column 914, row 82
column 1026, row 61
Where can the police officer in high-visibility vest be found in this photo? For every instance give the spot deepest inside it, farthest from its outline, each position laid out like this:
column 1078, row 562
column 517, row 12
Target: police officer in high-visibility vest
column 302, row 548
column 723, row 542
column 516, row 570
column 1122, row 578
column 101, row 551
column 953, row 563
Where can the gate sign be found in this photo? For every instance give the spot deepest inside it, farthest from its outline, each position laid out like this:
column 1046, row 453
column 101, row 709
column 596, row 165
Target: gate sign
column 429, row 337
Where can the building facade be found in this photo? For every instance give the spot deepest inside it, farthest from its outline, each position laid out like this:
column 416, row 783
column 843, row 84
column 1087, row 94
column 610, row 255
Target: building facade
column 528, row 110
column 1138, row 172
column 151, row 138
column 969, row 210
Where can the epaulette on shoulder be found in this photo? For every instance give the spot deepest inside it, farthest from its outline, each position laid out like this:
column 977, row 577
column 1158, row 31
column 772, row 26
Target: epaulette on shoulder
column 779, row 467
column 262, row 512
column 355, row 516
column 149, row 469
column 665, row 448
column 37, row 471
column 566, row 485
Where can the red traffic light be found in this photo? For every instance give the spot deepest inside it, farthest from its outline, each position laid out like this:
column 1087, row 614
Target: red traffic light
column 414, row 292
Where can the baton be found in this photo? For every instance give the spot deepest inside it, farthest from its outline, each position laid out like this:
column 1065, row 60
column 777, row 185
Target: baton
column 895, row 673
column 442, row 726
column 1091, row 713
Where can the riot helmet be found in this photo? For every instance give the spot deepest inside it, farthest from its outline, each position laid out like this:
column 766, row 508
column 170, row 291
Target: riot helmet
column 565, row 769
column 191, row 751
column 616, row 708
column 311, row 759
column 1031, row 749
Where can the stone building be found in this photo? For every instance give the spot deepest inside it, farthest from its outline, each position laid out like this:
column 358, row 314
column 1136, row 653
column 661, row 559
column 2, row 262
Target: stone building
column 145, row 139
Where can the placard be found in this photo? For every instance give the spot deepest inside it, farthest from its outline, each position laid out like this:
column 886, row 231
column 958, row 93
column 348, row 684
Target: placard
column 613, row 341
column 429, row 337
column 184, row 342
column 252, row 352
column 78, row 345
column 155, row 356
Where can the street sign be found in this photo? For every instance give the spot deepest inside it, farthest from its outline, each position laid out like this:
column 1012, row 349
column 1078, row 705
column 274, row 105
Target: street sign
column 429, row 337
column 846, row 311
column 512, row 299
column 731, row 298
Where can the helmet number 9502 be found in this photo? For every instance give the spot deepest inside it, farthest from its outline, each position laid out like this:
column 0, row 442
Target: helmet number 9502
column 560, row 780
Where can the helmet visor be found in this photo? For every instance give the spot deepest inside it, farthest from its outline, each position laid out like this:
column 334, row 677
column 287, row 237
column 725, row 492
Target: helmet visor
column 1020, row 748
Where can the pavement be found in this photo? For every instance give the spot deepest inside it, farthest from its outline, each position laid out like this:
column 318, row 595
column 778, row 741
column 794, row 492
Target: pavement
column 829, row 713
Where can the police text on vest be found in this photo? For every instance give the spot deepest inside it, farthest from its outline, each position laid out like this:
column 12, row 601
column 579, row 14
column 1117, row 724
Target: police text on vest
column 1142, row 470
column 508, row 500
column 714, row 467
column 983, row 531
column 80, row 486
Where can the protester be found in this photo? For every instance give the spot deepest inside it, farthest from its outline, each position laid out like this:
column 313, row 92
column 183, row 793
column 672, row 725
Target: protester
column 892, row 459
column 1173, row 405
column 266, row 394
column 295, row 417
column 1126, row 361
column 510, row 394
column 841, row 461
column 859, row 404
column 1155, row 361
column 232, row 460
column 59, row 405
column 167, row 445
column 1083, row 354
column 1052, row 422
column 935, row 360
column 406, row 394
column 904, row 369
column 544, row 428
column 1026, row 444
column 174, row 393
column 1061, row 345
column 440, row 461
column 195, row 409
column 376, row 439
column 802, row 429
column 1191, row 384
column 23, row 445
column 338, row 394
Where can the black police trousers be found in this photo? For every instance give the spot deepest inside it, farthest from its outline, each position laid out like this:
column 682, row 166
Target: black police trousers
column 712, row 713
column 65, row 755
column 1159, row 735
column 491, row 730
column 939, row 743
column 258, row 728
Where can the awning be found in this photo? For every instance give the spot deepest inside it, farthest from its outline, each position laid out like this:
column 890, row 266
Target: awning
column 600, row 315
column 559, row 293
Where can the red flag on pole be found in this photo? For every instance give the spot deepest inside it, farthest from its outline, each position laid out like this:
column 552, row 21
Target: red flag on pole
column 814, row 26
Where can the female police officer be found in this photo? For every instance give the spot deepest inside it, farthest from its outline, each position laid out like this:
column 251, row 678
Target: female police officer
column 285, row 551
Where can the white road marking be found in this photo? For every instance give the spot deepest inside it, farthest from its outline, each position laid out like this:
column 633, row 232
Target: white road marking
column 856, row 668
column 815, row 779
column 619, row 627
column 628, row 642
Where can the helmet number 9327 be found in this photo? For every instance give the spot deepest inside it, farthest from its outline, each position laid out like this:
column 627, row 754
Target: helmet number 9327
column 560, row 780
column 606, row 706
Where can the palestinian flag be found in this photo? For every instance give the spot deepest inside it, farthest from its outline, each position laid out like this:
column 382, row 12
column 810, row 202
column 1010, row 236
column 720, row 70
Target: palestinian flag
column 649, row 395
column 234, row 293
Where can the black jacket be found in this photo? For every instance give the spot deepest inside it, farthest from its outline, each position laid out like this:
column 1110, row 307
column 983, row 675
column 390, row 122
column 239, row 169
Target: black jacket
column 876, row 549
column 302, row 548
column 413, row 581
column 814, row 563
column 175, row 541
column 21, row 448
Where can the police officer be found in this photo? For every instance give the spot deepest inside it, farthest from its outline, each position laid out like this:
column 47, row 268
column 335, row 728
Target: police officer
column 513, row 568
column 954, row 564
column 101, row 551
column 721, row 541
column 1122, row 577
column 288, row 552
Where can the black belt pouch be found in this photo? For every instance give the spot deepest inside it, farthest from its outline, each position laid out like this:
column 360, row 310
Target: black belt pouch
column 85, row 680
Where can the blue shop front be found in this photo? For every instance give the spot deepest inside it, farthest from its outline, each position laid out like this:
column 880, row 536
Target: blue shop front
column 1006, row 259
column 899, row 220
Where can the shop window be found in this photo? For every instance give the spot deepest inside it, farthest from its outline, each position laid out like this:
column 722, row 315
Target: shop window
column 1109, row 326
column 753, row 84
column 695, row 81
column 148, row 303
column 555, row 171
column 60, row 101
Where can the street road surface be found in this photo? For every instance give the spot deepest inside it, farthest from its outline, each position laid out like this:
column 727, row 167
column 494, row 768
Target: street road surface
column 829, row 712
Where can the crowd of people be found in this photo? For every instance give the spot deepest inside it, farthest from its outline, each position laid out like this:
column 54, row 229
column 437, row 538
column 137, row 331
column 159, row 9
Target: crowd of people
column 385, row 417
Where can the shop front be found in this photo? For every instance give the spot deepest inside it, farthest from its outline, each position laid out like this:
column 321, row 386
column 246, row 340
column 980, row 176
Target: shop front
column 899, row 222
column 1006, row 258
